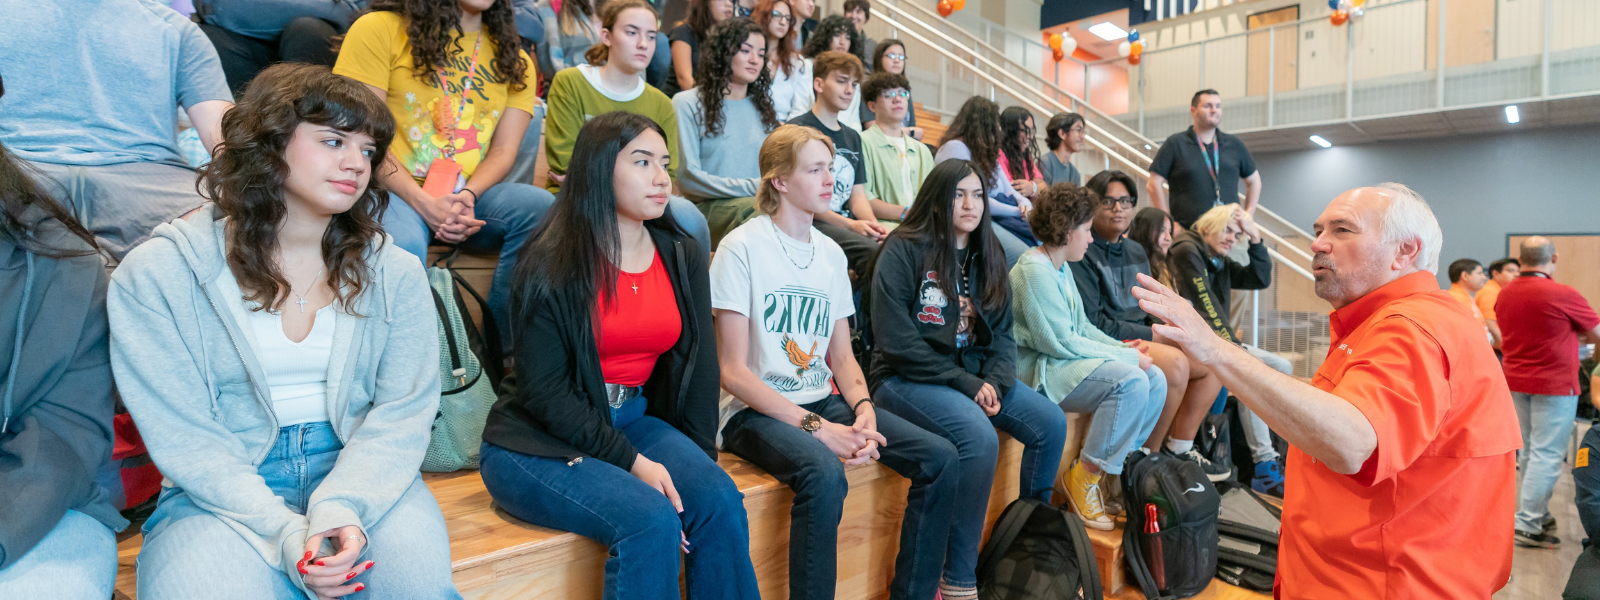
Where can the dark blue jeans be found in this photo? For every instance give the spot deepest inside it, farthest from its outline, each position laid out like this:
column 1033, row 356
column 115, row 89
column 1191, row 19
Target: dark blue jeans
column 817, row 477
column 638, row 524
column 1024, row 414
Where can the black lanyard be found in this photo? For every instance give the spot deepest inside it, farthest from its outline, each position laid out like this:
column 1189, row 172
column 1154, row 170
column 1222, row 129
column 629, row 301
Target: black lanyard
column 1213, row 164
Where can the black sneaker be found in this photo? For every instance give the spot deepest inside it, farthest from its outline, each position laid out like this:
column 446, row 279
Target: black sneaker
column 1537, row 540
column 1215, row 472
column 1549, row 527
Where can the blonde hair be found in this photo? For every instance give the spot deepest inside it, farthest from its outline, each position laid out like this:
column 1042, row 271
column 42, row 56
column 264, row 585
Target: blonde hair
column 1215, row 220
column 779, row 157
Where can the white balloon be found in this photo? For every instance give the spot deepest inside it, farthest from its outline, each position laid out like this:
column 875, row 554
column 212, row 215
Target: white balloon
column 1124, row 49
column 1345, row 5
column 1356, row 13
column 1068, row 44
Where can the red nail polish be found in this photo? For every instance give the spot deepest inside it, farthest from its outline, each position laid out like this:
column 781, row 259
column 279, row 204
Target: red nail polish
column 349, row 576
column 302, row 566
column 371, row 564
column 319, row 563
column 360, row 587
column 308, row 556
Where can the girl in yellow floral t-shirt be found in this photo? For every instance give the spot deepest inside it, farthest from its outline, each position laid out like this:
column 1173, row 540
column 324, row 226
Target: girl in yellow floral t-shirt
column 461, row 90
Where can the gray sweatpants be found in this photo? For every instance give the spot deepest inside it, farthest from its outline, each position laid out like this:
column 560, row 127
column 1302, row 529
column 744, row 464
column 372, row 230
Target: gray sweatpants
column 120, row 204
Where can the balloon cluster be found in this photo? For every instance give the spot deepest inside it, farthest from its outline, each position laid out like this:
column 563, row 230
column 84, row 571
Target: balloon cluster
column 1132, row 49
column 1345, row 11
column 949, row 6
column 1062, row 46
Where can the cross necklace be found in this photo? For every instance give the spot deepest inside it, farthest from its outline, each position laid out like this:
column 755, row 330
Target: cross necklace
column 302, row 297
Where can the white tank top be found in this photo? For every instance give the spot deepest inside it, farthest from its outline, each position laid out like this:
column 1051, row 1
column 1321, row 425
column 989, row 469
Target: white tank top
column 297, row 373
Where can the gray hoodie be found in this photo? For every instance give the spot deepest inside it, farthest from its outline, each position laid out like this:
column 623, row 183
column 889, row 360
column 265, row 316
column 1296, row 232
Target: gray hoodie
column 186, row 372
column 55, row 396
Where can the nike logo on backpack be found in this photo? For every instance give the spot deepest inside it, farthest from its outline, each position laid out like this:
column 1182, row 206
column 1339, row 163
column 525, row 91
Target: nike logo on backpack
column 1198, row 487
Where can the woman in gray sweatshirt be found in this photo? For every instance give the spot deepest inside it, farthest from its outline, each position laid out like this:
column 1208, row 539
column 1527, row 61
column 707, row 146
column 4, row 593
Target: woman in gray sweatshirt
column 722, row 123
column 56, row 521
column 280, row 357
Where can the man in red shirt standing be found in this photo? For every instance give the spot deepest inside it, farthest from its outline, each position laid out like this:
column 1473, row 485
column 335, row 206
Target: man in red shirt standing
column 1540, row 323
column 1401, row 469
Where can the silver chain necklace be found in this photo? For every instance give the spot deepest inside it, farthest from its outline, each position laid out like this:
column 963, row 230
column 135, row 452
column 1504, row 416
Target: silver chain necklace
column 302, row 297
column 785, row 248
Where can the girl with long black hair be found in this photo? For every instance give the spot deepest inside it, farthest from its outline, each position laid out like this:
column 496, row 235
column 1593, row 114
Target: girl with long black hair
column 57, row 536
column 944, row 358
column 976, row 135
column 1019, row 152
column 612, row 432
column 288, row 356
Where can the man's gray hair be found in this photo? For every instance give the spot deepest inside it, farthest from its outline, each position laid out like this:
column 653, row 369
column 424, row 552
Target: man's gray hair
column 1537, row 251
column 1409, row 218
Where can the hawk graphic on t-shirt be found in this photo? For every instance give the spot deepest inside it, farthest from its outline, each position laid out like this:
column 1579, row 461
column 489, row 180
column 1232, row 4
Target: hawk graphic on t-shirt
column 805, row 360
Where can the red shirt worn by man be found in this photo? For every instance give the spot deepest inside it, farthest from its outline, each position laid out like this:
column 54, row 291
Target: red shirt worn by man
column 1539, row 324
column 1430, row 513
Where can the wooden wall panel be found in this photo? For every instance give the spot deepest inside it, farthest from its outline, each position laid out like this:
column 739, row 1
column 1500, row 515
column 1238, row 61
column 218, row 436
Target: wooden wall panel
column 1577, row 262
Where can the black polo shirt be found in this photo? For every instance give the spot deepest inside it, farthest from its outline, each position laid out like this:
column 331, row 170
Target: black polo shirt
column 1192, row 189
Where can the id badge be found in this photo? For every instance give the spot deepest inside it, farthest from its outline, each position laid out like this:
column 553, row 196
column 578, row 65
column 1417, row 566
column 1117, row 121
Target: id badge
column 442, row 177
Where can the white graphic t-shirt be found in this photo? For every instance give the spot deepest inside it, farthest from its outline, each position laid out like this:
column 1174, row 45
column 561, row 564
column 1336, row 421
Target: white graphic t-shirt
column 791, row 309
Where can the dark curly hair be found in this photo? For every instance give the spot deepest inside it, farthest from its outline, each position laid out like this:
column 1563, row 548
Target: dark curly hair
column 831, row 27
column 1058, row 210
column 786, row 46
column 245, row 177
column 1021, row 158
column 714, row 75
column 430, row 24
column 977, row 125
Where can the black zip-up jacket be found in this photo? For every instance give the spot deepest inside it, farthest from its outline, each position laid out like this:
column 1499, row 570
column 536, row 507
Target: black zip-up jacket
column 560, row 409
column 914, row 328
column 1208, row 281
column 1105, row 279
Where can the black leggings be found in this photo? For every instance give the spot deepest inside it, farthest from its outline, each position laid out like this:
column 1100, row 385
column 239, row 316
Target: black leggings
column 305, row 40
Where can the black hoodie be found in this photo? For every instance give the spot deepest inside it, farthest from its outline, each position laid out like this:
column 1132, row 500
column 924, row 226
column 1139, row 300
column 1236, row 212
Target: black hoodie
column 1208, row 281
column 914, row 328
column 560, row 409
column 55, row 389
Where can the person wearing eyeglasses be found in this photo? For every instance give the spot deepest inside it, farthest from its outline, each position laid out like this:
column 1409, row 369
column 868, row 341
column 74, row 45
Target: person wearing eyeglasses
column 1064, row 136
column 1105, row 278
column 791, row 90
column 1206, row 276
column 896, row 162
column 890, row 57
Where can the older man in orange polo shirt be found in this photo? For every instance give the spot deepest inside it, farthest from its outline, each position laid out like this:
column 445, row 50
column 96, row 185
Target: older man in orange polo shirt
column 1402, row 471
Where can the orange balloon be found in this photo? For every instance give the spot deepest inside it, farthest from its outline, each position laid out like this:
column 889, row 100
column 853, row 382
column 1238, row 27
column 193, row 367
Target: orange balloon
column 1133, row 59
column 958, row 4
column 945, row 8
column 1055, row 41
column 1059, row 54
column 1339, row 17
column 1136, row 49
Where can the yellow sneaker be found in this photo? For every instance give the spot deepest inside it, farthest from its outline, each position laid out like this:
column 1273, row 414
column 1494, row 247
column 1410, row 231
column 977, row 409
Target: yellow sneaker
column 1083, row 491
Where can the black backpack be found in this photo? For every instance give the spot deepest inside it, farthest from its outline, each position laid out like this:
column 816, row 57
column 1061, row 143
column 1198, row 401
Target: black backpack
column 1038, row 552
column 1247, row 544
column 1186, row 506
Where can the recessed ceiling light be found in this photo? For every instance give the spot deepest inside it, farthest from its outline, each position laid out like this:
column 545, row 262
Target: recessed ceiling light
column 1317, row 139
column 1512, row 116
column 1108, row 32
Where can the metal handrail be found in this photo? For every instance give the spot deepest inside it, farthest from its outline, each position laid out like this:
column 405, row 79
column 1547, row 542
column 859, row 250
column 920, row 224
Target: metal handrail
column 1080, row 101
column 1009, row 90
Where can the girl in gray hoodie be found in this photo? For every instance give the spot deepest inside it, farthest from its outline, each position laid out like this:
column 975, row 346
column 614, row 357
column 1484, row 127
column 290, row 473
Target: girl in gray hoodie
column 56, row 521
column 280, row 358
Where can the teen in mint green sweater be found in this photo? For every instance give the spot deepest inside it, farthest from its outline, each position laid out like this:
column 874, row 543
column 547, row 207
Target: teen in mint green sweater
column 1063, row 355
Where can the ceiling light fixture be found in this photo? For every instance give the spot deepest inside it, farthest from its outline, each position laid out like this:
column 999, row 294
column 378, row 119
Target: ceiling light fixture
column 1317, row 139
column 1512, row 115
column 1108, row 32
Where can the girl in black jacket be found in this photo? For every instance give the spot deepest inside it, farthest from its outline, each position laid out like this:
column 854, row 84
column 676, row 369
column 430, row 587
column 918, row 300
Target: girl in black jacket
column 611, row 433
column 944, row 357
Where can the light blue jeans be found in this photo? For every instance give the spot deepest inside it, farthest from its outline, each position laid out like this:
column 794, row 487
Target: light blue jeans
column 77, row 560
column 1546, row 430
column 190, row 554
column 1256, row 432
column 1125, row 402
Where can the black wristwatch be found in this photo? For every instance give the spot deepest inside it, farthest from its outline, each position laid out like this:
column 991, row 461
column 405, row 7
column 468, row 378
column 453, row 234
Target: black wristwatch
column 810, row 423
